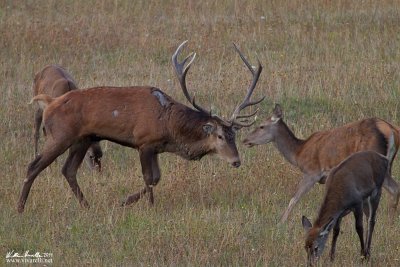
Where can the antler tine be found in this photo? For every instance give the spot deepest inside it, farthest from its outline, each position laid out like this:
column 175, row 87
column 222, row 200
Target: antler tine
column 246, row 102
column 241, row 124
column 243, row 59
column 181, row 71
column 247, row 116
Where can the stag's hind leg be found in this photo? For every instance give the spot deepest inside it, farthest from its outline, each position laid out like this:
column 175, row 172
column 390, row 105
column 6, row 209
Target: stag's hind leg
column 151, row 176
column 50, row 152
column 76, row 155
column 37, row 124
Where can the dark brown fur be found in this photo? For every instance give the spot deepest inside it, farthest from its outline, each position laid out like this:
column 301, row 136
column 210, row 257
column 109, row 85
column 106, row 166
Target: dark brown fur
column 140, row 117
column 130, row 116
column 353, row 186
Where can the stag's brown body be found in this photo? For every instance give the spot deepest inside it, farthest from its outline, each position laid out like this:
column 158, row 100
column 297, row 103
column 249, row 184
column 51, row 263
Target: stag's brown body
column 144, row 118
column 353, row 186
column 54, row 81
column 322, row 151
column 131, row 116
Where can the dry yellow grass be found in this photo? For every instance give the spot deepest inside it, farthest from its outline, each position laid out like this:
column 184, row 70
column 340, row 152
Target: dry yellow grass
column 326, row 62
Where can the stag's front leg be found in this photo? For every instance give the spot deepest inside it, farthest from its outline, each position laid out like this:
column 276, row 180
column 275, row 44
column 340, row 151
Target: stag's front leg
column 303, row 187
column 147, row 159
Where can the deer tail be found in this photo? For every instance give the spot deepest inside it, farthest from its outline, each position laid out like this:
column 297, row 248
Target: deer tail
column 43, row 100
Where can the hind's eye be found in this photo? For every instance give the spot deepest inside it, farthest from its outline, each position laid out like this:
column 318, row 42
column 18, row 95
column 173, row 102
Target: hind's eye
column 219, row 136
column 261, row 127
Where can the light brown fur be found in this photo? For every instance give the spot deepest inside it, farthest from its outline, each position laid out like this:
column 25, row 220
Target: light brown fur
column 318, row 154
column 53, row 81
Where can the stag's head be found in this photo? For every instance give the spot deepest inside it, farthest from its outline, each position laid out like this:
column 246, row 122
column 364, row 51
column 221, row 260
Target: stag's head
column 220, row 133
column 316, row 238
column 267, row 130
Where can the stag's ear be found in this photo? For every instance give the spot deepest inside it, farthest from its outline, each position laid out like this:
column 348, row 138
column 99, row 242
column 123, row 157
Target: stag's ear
column 236, row 128
column 209, row 128
column 278, row 112
column 306, row 223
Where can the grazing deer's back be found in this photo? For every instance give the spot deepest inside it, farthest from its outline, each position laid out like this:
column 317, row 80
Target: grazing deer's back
column 353, row 179
column 360, row 165
column 326, row 149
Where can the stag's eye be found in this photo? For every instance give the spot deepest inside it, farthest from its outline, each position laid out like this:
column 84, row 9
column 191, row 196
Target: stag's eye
column 315, row 250
column 220, row 137
column 261, row 127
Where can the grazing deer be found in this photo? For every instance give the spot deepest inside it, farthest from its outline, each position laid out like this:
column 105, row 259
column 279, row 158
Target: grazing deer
column 55, row 81
column 141, row 117
column 355, row 185
column 322, row 151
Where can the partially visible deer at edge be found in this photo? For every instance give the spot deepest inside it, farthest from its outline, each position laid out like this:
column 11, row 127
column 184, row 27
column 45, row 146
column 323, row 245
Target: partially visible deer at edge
column 322, row 151
column 355, row 185
column 141, row 117
column 53, row 80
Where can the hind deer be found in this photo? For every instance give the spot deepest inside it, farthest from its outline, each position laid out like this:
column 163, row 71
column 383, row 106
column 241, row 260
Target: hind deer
column 53, row 80
column 355, row 185
column 322, row 151
column 141, row 117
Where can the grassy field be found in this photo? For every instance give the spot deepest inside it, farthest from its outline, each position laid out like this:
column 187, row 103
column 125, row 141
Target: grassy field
column 326, row 62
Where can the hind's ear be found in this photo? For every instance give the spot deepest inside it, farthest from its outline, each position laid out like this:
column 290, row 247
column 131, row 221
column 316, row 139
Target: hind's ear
column 306, row 223
column 278, row 112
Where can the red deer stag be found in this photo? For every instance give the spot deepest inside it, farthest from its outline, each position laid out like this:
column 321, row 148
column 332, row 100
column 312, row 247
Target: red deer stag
column 355, row 185
column 141, row 117
column 322, row 151
column 55, row 81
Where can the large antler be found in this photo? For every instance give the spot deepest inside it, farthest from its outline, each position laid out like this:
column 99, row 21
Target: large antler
column 246, row 102
column 181, row 72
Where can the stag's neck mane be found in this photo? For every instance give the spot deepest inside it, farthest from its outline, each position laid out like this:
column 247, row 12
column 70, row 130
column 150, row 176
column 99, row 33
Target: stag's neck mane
column 287, row 143
column 186, row 132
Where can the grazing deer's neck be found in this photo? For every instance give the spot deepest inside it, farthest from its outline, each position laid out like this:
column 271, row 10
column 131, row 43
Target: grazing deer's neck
column 330, row 208
column 287, row 143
